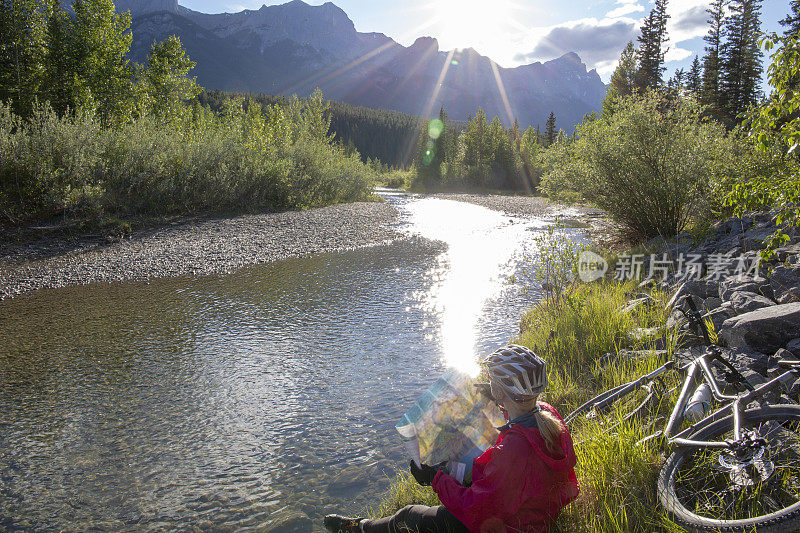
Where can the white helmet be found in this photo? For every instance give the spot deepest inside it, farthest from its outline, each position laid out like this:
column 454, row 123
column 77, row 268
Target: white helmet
column 518, row 369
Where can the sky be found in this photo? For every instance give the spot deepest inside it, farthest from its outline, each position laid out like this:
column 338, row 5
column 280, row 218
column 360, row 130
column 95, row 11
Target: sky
column 516, row 32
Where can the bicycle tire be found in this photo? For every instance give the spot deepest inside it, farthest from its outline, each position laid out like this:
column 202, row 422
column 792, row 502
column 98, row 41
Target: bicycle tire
column 756, row 489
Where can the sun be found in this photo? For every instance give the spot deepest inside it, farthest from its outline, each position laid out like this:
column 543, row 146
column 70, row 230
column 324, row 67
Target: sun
column 479, row 24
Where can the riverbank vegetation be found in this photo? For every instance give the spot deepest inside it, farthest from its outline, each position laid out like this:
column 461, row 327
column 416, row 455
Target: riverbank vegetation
column 85, row 135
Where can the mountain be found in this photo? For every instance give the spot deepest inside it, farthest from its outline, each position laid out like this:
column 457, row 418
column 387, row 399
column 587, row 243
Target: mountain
column 294, row 48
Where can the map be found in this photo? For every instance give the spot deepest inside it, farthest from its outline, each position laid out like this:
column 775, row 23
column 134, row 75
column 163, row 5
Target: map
column 451, row 422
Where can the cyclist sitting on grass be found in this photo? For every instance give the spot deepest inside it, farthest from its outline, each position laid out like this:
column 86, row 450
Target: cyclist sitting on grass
column 518, row 484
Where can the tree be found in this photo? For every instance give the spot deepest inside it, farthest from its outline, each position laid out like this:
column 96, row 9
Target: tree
column 649, row 164
column 710, row 92
column 676, row 82
column 550, row 129
column 792, row 20
column 102, row 42
column 775, row 127
column 166, row 80
column 22, row 48
column 652, row 49
column 623, row 80
column 740, row 58
column 693, row 79
column 59, row 69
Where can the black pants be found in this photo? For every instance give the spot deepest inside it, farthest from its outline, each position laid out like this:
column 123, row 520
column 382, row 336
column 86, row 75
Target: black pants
column 416, row 518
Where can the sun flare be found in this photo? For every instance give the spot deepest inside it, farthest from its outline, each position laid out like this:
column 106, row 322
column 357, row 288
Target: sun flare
column 474, row 23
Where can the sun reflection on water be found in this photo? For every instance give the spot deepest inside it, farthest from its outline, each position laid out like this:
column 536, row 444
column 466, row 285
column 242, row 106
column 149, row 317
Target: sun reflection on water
column 481, row 247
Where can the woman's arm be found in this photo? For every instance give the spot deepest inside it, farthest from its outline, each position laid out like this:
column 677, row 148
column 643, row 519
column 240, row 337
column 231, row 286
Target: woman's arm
column 498, row 494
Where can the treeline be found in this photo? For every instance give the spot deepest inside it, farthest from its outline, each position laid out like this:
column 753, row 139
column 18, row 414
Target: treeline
column 376, row 134
column 86, row 133
column 481, row 154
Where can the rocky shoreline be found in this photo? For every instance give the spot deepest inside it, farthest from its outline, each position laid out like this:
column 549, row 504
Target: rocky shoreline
column 755, row 314
column 194, row 247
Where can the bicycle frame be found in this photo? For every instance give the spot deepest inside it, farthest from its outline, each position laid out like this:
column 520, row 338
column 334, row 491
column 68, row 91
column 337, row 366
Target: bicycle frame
column 699, row 370
column 736, row 404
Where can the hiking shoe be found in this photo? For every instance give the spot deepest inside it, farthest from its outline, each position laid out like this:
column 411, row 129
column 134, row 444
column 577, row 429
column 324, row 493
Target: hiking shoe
column 342, row 524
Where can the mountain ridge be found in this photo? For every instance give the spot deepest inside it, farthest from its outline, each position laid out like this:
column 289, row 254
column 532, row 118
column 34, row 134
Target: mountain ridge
column 295, row 47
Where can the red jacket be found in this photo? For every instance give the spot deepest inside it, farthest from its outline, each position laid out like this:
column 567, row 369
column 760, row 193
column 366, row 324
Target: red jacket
column 517, row 485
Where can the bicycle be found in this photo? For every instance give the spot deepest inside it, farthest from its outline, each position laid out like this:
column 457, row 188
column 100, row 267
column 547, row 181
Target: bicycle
column 737, row 468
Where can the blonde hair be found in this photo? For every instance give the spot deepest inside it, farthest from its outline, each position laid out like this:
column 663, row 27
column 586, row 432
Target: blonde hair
column 550, row 427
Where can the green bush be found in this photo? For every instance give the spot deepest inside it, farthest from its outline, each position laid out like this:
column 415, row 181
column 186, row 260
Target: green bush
column 649, row 164
column 253, row 159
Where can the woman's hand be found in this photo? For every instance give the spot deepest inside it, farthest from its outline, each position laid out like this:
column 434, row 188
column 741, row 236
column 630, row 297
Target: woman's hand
column 424, row 474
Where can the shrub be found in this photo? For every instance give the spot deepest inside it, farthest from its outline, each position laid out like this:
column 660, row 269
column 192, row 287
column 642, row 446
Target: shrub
column 253, row 159
column 649, row 164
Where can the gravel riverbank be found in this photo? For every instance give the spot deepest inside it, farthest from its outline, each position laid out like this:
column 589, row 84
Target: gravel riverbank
column 219, row 245
column 196, row 247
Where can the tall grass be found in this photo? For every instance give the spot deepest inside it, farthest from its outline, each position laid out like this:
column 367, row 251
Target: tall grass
column 617, row 475
column 243, row 159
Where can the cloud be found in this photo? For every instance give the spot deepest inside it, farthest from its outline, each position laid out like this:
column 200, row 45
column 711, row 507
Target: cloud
column 595, row 42
column 692, row 20
column 624, row 9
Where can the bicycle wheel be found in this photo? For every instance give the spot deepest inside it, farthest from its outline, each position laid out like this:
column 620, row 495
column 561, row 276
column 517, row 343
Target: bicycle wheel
column 753, row 487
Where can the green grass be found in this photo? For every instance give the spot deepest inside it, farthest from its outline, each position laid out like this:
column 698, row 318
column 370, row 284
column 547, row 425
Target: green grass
column 617, row 476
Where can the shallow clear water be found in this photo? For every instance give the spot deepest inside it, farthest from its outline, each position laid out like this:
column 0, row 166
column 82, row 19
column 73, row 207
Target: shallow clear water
column 261, row 399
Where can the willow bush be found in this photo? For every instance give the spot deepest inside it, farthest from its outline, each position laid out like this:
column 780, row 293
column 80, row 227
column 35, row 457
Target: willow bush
column 651, row 164
column 242, row 159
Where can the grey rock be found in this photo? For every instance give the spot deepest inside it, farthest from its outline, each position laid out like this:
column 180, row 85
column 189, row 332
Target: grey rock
column 785, row 283
column 711, row 302
column 766, row 329
column 786, row 252
column 718, row 316
column 732, row 284
column 794, row 347
column 753, row 239
column 744, row 301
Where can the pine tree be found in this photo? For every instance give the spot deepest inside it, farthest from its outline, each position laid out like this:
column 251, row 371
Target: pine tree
column 693, row 79
column 623, row 81
column 792, row 20
column 550, row 129
column 652, row 49
column 676, row 82
column 740, row 58
column 710, row 92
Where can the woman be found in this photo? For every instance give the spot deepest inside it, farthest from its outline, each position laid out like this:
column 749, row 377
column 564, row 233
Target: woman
column 518, row 484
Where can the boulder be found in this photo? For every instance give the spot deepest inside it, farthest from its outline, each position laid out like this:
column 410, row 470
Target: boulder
column 753, row 239
column 786, row 253
column 711, row 303
column 785, row 283
column 794, row 347
column 745, row 301
column 718, row 316
column 732, row 284
column 766, row 329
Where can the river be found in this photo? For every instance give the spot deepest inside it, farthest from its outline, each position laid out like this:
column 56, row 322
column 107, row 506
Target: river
column 261, row 399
